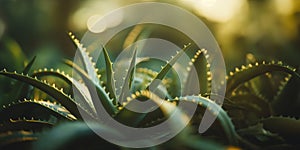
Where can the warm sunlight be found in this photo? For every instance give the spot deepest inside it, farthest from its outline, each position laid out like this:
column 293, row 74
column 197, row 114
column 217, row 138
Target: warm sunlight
column 284, row 7
column 90, row 12
column 96, row 26
column 216, row 10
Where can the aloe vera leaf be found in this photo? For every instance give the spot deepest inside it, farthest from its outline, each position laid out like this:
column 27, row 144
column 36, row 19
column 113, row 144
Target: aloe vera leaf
column 260, row 133
column 35, row 108
column 56, row 73
column 24, row 124
column 61, row 97
column 29, row 65
column 98, row 94
column 215, row 109
column 286, row 101
column 142, row 78
column 166, row 68
column 173, row 85
column 100, row 91
column 138, row 32
column 261, row 85
column 133, row 118
column 284, row 126
column 252, row 103
column 247, row 105
column 136, row 119
column 128, row 117
column 128, row 79
column 21, row 88
column 282, row 85
column 88, row 64
column 251, row 71
column 201, row 70
column 110, row 77
column 77, row 68
column 17, row 139
column 150, row 66
column 79, row 88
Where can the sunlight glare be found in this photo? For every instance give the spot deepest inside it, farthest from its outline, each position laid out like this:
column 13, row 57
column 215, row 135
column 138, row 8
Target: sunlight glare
column 95, row 25
column 90, row 12
column 284, row 7
column 217, row 10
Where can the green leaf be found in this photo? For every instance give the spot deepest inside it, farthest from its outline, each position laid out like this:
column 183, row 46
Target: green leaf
column 251, row 103
column 132, row 118
column 284, row 126
column 147, row 71
column 24, row 124
column 251, row 71
column 202, row 74
column 215, row 109
column 128, row 117
column 96, row 91
column 261, row 134
column 138, row 32
column 80, row 90
column 35, row 108
column 139, row 119
column 166, row 69
column 16, row 139
column 88, row 64
column 29, row 66
column 22, row 90
column 58, row 95
column 128, row 79
column 287, row 99
column 110, row 76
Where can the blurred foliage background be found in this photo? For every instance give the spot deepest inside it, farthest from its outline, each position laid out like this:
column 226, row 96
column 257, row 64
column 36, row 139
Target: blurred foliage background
column 269, row 29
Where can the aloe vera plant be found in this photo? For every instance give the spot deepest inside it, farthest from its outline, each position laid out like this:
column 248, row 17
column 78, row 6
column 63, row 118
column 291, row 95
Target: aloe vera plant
column 248, row 119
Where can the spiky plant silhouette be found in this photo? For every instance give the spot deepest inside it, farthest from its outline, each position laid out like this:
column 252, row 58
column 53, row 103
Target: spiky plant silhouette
column 256, row 97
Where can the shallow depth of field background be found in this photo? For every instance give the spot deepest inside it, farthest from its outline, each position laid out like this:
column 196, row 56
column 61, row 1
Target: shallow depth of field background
column 269, row 29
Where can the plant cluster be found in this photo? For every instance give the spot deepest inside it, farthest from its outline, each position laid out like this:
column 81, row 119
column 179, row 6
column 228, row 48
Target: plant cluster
column 260, row 109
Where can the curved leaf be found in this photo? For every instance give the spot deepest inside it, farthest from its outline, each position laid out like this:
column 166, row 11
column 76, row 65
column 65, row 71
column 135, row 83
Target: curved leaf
column 166, row 68
column 10, row 140
column 96, row 91
column 88, row 64
column 128, row 79
column 24, row 124
column 35, row 108
column 22, row 89
column 110, row 76
column 202, row 73
column 61, row 97
column 80, row 89
column 215, row 109
column 284, row 126
column 247, row 73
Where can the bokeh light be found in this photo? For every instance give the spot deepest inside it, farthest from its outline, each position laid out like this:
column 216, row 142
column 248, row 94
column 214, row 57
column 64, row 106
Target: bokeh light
column 266, row 28
column 216, row 10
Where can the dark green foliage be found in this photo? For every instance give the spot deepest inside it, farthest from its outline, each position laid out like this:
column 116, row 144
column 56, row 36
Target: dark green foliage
column 256, row 96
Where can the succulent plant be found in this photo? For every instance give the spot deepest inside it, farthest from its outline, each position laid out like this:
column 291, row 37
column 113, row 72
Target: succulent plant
column 249, row 118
